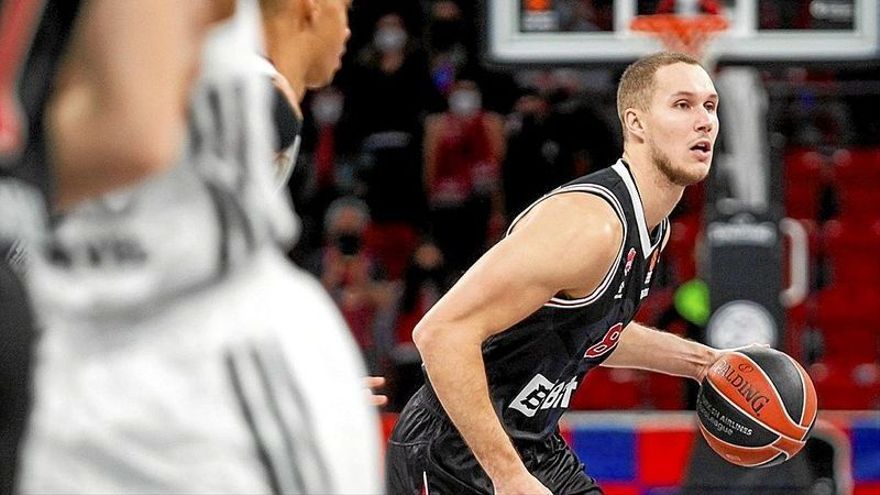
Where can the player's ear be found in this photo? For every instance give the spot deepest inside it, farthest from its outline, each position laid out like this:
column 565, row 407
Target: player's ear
column 632, row 119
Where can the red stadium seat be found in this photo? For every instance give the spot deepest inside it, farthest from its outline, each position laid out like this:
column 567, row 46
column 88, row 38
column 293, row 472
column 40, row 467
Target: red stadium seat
column 851, row 343
column 857, row 172
column 679, row 252
column 847, row 385
column 802, row 164
column 839, row 305
column 802, row 177
column 848, row 235
column 796, row 322
column 859, row 203
column 802, row 200
column 666, row 392
column 609, row 388
column 852, row 249
column 857, row 167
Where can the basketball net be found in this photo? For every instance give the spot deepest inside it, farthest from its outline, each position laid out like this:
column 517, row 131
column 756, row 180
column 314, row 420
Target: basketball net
column 686, row 30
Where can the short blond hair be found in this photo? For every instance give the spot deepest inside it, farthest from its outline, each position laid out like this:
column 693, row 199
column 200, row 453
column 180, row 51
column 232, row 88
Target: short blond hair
column 637, row 83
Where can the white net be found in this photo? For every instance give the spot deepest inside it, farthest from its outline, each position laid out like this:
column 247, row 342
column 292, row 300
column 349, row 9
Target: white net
column 689, row 34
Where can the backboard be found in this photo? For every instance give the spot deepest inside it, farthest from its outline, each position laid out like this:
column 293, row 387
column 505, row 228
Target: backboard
column 593, row 31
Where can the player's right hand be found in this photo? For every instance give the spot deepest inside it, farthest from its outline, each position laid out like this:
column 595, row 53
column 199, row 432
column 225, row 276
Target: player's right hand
column 524, row 484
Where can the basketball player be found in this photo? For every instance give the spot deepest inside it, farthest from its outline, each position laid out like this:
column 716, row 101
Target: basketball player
column 295, row 64
column 63, row 85
column 505, row 349
column 183, row 353
column 296, row 59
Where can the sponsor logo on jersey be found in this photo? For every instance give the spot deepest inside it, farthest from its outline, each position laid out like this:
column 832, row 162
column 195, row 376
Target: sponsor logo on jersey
column 105, row 251
column 540, row 393
column 630, row 256
column 608, row 343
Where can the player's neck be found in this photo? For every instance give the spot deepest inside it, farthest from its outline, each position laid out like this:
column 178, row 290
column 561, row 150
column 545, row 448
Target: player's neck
column 283, row 85
column 659, row 195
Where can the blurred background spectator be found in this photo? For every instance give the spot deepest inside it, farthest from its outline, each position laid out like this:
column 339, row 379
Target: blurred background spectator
column 352, row 277
column 464, row 147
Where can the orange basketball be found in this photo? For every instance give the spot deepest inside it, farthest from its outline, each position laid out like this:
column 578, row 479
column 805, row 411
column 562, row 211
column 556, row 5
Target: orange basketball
column 756, row 407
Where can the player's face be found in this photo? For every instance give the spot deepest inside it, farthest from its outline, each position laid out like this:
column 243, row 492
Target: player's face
column 683, row 123
column 332, row 31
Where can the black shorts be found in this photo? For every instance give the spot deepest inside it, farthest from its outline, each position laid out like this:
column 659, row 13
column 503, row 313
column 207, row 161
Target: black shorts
column 425, row 448
column 16, row 341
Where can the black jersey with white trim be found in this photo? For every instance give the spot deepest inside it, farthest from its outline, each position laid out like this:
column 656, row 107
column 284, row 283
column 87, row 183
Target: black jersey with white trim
column 288, row 136
column 534, row 367
column 287, row 123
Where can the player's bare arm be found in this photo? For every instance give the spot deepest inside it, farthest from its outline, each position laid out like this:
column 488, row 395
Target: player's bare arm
column 119, row 111
column 649, row 349
column 565, row 245
column 645, row 348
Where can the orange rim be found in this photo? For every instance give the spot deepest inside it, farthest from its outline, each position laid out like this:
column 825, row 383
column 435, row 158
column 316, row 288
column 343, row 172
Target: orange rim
column 690, row 32
column 664, row 23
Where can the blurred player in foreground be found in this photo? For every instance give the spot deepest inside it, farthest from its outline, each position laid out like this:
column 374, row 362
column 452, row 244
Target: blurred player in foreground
column 296, row 64
column 506, row 348
column 183, row 353
column 77, row 120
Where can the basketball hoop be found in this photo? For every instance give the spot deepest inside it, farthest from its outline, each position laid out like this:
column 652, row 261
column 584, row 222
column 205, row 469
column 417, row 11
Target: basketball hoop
column 682, row 33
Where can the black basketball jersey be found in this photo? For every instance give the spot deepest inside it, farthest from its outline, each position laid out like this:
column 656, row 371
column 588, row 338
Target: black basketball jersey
column 534, row 367
column 33, row 35
column 288, row 136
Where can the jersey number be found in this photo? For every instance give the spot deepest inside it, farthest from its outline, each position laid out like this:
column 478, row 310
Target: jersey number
column 609, row 342
column 18, row 21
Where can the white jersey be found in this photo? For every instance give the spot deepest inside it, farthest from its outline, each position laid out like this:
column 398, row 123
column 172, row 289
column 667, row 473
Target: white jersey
column 182, row 353
column 251, row 386
column 192, row 225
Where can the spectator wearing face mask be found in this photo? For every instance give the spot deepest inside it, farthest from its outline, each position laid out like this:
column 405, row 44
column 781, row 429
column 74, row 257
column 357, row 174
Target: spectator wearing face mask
column 447, row 44
column 464, row 147
column 352, row 277
column 326, row 110
column 534, row 162
column 451, row 38
column 545, row 137
column 389, row 87
column 386, row 101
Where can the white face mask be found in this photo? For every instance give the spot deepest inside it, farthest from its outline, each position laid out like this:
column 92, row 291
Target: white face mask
column 327, row 108
column 465, row 102
column 389, row 39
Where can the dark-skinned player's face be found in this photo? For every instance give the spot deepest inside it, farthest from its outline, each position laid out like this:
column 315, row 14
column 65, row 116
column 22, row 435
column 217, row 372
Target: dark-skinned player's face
column 682, row 122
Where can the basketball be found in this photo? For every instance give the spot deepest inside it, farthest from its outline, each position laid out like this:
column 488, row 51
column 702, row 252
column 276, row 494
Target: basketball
column 756, row 407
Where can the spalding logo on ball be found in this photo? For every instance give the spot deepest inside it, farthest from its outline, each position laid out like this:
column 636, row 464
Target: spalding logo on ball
column 756, row 407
